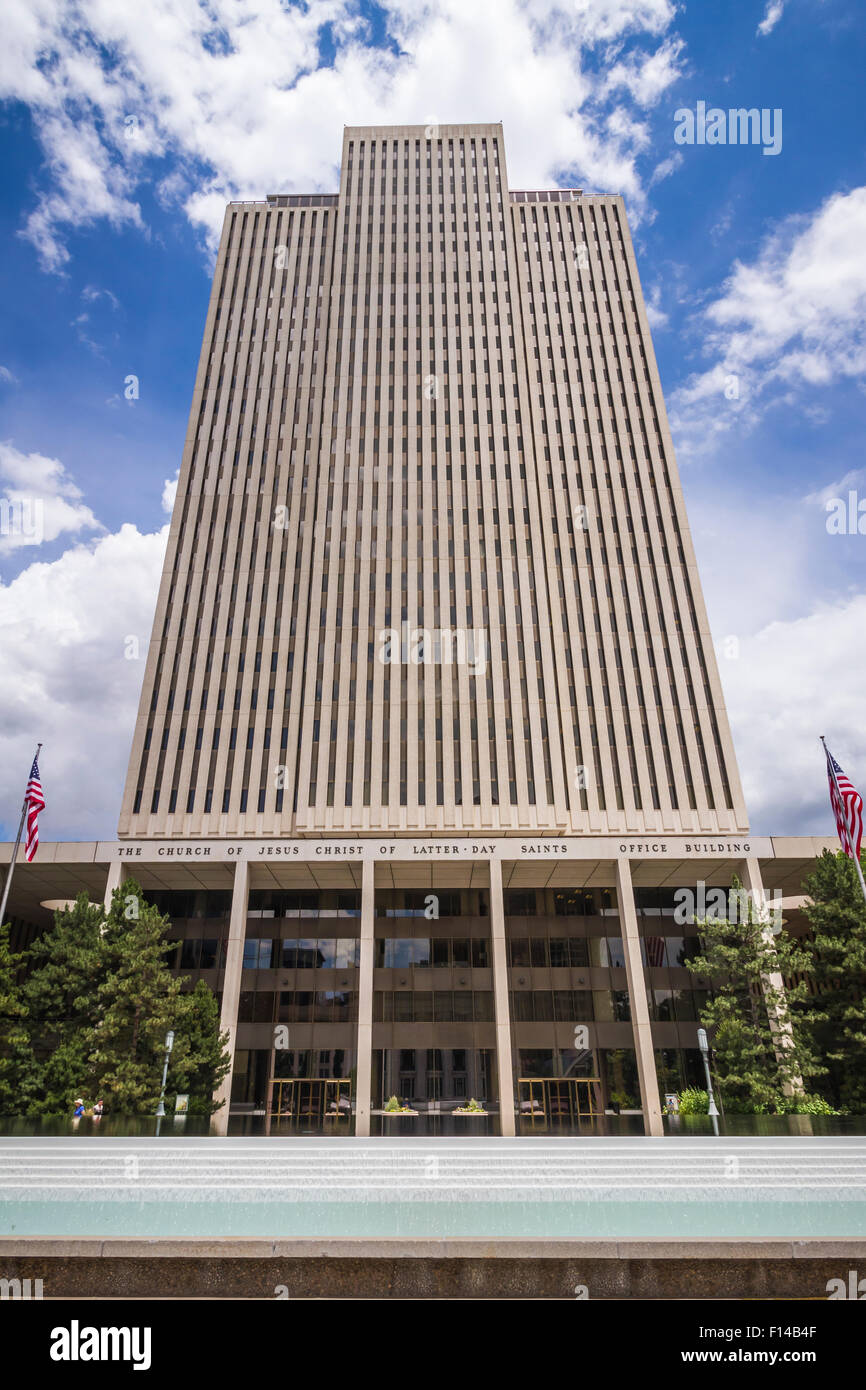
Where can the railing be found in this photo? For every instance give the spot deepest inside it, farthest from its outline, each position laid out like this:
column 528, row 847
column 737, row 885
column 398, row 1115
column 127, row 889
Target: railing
column 545, row 195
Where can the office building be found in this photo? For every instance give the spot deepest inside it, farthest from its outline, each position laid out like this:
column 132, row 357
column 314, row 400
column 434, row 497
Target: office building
column 431, row 725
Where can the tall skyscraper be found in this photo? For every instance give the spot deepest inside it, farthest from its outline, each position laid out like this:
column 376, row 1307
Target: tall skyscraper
column 431, row 667
column 431, row 736
column 429, row 568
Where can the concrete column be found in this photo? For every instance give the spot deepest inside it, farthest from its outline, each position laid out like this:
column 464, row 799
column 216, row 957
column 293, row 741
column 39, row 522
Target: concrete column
column 499, row 961
column 116, row 876
column 640, row 1019
column 780, row 1023
column 232, row 985
column 364, row 1068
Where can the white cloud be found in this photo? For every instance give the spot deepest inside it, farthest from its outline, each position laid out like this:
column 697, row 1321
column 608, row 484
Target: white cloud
column 65, row 678
column 658, row 319
column 8, row 376
column 666, row 167
column 790, row 321
column 772, row 15
column 88, row 184
column 610, row 19
column 648, row 78
column 761, row 558
column 92, row 293
column 792, row 596
column 39, row 500
column 794, row 681
column 852, row 480
column 722, row 225
column 169, row 492
column 228, row 101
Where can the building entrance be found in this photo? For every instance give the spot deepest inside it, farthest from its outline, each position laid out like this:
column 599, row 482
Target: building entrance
column 559, row 1100
column 310, row 1100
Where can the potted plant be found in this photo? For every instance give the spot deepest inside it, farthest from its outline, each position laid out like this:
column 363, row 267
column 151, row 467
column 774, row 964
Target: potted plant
column 618, row 1101
column 471, row 1108
column 394, row 1107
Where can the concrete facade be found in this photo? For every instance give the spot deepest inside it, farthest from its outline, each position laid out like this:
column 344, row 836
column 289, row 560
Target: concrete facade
column 373, row 865
column 429, row 404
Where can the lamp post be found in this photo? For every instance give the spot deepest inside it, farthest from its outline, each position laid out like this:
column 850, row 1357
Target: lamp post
column 169, row 1044
column 705, row 1053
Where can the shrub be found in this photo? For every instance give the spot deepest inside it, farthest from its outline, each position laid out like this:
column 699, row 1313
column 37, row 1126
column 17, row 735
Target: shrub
column 809, row 1105
column 694, row 1101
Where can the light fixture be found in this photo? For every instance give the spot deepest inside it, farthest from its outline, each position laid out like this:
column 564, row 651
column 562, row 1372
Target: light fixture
column 63, row 904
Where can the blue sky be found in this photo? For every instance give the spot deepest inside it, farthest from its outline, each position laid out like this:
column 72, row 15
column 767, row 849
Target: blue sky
column 124, row 130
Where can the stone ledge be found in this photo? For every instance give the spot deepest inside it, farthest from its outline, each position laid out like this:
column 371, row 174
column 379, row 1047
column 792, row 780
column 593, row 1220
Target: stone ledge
column 444, row 1248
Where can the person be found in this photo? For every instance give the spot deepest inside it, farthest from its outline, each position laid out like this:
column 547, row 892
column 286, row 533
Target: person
column 79, row 1110
column 97, row 1110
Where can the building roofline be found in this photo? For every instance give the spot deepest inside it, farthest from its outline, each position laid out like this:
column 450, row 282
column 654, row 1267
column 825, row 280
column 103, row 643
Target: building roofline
column 588, row 847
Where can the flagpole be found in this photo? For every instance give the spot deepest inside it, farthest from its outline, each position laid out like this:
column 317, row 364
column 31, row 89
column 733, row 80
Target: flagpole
column 7, row 885
column 850, row 850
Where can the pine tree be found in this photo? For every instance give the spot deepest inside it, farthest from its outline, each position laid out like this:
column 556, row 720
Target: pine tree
column 200, row 1056
column 138, row 1003
column 837, row 966
column 13, row 1033
column 761, row 1048
column 60, row 994
column 92, row 1015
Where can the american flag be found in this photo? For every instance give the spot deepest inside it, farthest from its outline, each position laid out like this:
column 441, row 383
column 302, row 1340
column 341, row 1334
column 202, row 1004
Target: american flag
column 655, row 950
column 847, row 806
column 35, row 803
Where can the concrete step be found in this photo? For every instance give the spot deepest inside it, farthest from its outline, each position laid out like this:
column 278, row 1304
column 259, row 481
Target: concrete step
column 358, row 1170
column 435, row 1191
column 226, row 1181
column 716, row 1170
column 444, row 1163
